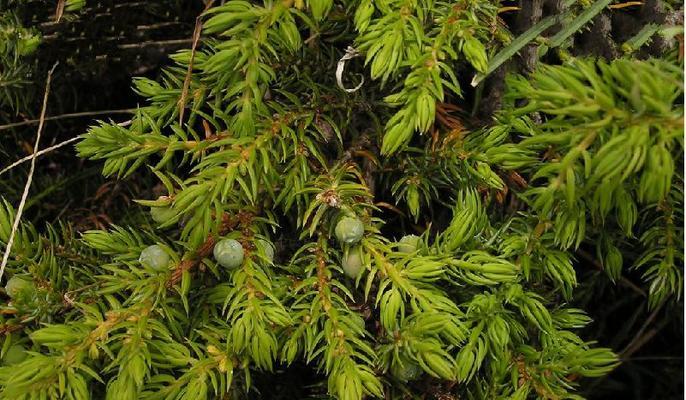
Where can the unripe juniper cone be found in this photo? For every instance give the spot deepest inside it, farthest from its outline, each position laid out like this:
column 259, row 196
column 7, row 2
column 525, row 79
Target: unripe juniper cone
column 161, row 214
column 154, row 257
column 352, row 262
column 408, row 244
column 14, row 355
column 228, row 253
column 269, row 252
column 409, row 370
column 17, row 285
column 349, row 230
column 268, row 249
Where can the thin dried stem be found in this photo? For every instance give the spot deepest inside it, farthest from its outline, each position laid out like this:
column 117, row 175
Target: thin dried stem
column 47, row 150
column 59, row 11
column 171, row 42
column 187, row 78
column 639, row 339
column 35, row 155
column 69, row 115
column 27, row 186
column 622, row 280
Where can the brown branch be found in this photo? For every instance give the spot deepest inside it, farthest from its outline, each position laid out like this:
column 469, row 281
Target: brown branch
column 187, row 79
column 60, row 10
column 622, row 281
column 68, row 115
column 640, row 339
column 157, row 25
column 154, row 43
column 205, row 249
column 6, row 329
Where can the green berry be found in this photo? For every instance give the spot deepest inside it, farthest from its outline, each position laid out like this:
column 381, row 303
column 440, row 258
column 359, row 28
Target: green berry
column 154, row 257
column 352, row 262
column 268, row 248
column 349, row 230
column 14, row 355
column 229, row 253
column 18, row 285
column 408, row 371
column 161, row 214
column 408, row 244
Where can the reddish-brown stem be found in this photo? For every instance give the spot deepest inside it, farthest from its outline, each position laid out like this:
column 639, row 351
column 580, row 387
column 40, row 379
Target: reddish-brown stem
column 229, row 223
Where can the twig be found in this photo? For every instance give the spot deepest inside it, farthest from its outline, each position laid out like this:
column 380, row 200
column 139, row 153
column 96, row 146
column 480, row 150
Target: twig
column 157, row 25
column 153, row 43
column 624, row 5
column 69, row 115
column 639, row 339
column 35, row 155
column 6, row 329
column 27, row 186
column 205, row 249
column 131, row 4
column 189, row 72
column 48, row 150
column 649, row 358
column 623, row 280
column 60, row 10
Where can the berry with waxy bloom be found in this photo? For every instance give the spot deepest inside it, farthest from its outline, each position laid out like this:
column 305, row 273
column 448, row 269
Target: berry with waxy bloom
column 408, row 244
column 14, row 355
column 349, row 230
column 17, row 285
column 161, row 214
column 352, row 262
column 229, row 253
column 154, row 257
